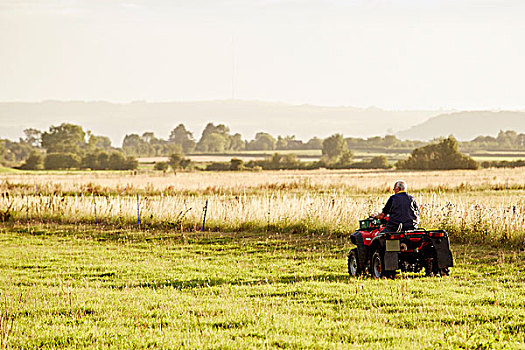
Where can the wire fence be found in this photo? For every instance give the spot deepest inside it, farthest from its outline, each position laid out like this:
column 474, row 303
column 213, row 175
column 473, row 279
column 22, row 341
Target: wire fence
column 465, row 216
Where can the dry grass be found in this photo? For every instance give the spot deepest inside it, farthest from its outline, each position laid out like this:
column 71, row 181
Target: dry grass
column 472, row 205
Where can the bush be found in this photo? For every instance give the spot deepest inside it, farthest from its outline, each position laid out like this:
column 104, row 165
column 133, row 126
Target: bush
column 218, row 166
column 504, row 164
column 55, row 161
column 161, row 166
column 131, row 163
column 177, row 161
column 236, row 164
column 379, row 162
column 105, row 161
column 35, row 161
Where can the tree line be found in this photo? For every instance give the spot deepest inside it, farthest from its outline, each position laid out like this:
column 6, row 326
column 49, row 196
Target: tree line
column 443, row 155
column 68, row 146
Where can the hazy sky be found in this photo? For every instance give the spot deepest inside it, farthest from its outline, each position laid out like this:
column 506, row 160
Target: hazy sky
column 403, row 54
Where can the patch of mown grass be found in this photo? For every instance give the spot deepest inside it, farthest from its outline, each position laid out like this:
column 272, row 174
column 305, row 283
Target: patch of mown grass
column 83, row 286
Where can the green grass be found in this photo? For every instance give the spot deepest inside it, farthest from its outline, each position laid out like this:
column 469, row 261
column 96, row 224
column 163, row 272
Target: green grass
column 82, row 286
column 4, row 170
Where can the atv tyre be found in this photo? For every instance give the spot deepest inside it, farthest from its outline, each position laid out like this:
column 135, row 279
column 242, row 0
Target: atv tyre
column 432, row 269
column 444, row 271
column 354, row 267
column 376, row 267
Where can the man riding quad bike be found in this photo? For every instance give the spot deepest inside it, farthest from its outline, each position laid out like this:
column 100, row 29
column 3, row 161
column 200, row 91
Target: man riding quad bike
column 391, row 241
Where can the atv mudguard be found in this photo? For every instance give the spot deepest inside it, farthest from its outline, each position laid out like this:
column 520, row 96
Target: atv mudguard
column 443, row 253
column 391, row 261
column 362, row 250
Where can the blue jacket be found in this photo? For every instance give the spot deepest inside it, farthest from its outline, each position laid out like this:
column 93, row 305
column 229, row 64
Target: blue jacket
column 402, row 209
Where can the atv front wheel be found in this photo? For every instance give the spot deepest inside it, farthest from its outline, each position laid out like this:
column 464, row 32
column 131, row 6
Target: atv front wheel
column 354, row 269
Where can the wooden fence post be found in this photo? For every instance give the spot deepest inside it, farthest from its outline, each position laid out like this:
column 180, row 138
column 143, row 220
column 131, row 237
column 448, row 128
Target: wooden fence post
column 204, row 216
column 138, row 210
column 95, row 207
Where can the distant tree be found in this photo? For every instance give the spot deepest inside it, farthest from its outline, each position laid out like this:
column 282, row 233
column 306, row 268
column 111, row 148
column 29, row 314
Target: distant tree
column 215, row 138
column 117, row 161
column 263, row 142
column 32, row 137
column 55, row 161
column 65, row 138
column 98, row 143
column 439, row 156
column 314, row 143
column 2, row 152
column 520, row 140
column 345, row 159
column 148, row 137
column 131, row 163
column 177, row 161
column 183, row 138
column 185, row 163
column 103, row 160
column 14, row 153
column 334, row 147
column 132, row 144
column 390, row 140
column 35, row 161
column 237, row 143
column 214, row 142
column 89, row 161
column 281, row 142
column 507, row 139
column 148, row 145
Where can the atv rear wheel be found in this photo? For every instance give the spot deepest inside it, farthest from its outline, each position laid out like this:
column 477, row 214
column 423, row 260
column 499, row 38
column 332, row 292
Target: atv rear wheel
column 432, row 269
column 377, row 264
column 444, row 271
column 354, row 268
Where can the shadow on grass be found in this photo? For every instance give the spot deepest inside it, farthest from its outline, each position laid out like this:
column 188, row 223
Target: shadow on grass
column 213, row 282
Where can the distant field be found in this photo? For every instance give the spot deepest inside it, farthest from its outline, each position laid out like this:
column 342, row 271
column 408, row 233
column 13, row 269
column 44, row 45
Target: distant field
column 496, row 158
column 315, row 155
column 305, row 155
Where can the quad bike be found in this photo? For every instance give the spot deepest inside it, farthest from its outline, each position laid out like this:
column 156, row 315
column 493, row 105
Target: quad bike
column 382, row 254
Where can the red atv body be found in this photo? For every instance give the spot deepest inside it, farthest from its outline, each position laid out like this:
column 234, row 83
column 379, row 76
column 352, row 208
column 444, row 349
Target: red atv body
column 383, row 253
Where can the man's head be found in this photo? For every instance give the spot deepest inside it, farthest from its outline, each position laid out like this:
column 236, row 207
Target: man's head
column 400, row 186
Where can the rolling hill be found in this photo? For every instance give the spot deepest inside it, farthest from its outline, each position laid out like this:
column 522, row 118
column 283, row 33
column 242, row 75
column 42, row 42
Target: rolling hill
column 466, row 125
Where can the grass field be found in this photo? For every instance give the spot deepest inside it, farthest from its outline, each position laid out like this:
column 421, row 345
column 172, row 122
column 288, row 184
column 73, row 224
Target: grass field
column 268, row 272
column 80, row 286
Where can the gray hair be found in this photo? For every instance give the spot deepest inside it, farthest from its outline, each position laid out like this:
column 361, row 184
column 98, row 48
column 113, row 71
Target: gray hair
column 401, row 185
